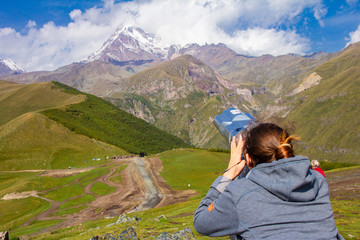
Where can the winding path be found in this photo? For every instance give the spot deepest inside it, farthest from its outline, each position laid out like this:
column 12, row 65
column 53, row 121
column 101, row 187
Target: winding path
column 141, row 188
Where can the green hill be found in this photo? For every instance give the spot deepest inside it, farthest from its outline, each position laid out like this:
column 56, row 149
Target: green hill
column 29, row 140
column 50, row 125
column 17, row 99
column 100, row 120
column 326, row 116
column 32, row 141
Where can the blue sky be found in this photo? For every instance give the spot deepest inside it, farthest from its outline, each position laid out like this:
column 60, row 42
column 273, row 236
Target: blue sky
column 17, row 13
column 46, row 34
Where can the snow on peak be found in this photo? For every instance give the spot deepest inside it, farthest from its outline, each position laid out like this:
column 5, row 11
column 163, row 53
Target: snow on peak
column 133, row 39
column 11, row 65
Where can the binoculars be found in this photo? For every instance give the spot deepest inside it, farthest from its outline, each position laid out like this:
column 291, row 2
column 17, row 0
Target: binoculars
column 232, row 122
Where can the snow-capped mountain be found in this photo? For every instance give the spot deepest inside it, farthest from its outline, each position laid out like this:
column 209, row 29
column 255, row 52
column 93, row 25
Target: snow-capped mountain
column 8, row 67
column 133, row 46
column 130, row 44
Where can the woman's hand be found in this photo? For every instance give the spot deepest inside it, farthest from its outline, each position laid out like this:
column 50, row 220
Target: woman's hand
column 235, row 166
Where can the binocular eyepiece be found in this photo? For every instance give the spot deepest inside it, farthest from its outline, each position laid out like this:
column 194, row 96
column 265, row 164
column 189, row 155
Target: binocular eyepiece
column 232, row 122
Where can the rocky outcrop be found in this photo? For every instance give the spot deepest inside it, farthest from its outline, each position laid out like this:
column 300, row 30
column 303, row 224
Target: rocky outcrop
column 308, row 82
column 130, row 234
column 180, row 235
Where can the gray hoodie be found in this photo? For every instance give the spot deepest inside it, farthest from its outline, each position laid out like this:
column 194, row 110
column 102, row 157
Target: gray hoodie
column 284, row 199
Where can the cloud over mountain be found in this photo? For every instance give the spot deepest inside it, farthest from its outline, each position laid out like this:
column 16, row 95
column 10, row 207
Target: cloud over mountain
column 249, row 27
column 354, row 36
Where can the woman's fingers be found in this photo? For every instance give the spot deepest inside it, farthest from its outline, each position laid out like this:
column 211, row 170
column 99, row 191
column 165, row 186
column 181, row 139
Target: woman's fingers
column 235, row 164
column 233, row 142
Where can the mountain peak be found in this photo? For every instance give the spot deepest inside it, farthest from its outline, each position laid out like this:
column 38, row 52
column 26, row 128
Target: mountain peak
column 130, row 44
column 8, row 67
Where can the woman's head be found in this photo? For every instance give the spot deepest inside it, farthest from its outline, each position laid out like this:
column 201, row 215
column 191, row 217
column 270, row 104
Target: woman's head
column 315, row 164
column 267, row 142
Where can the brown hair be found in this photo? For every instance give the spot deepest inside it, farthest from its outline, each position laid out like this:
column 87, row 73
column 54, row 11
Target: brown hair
column 267, row 142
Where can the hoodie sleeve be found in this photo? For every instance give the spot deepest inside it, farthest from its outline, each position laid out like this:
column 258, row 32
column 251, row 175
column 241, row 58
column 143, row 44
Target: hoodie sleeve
column 216, row 214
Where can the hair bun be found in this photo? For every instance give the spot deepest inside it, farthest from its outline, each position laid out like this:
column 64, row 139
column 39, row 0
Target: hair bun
column 285, row 149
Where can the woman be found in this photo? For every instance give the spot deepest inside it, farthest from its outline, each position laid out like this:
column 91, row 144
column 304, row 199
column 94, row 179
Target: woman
column 280, row 198
column 315, row 165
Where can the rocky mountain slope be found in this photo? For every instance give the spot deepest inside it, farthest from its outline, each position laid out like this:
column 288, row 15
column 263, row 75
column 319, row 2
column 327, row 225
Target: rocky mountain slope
column 131, row 50
column 324, row 109
column 182, row 96
column 181, row 89
column 9, row 67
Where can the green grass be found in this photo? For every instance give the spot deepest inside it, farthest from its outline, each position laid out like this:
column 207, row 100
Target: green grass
column 342, row 169
column 197, row 168
column 14, row 213
column 32, row 141
column 77, row 201
column 70, row 210
column 27, row 181
column 347, row 217
column 64, row 193
column 326, row 165
column 34, row 227
column 178, row 217
column 101, row 189
column 179, row 120
column 326, row 115
column 118, row 178
column 17, row 99
column 101, row 120
column 89, row 177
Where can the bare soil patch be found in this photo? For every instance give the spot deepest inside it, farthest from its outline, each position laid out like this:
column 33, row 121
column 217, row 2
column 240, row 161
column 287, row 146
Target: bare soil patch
column 344, row 185
column 19, row 195
column 128, row 194
column 66, row 172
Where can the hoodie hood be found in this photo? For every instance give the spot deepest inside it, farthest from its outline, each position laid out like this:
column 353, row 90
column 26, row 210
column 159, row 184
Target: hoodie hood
column 290, row 179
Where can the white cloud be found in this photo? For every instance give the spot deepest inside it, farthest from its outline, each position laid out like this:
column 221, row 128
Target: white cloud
column 75, row 14
column 31, row 24
column 259, row 41
column 249, row 27
column 354, row 36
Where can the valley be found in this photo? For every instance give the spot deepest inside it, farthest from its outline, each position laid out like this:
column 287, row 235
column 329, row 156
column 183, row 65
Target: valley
column 99, row 196
column 71, row 139
column 120, row 186
column 181, row 89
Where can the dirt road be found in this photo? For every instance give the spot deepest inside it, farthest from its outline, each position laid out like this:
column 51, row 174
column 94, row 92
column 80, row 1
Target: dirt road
column 152, row 195
column 141, row 188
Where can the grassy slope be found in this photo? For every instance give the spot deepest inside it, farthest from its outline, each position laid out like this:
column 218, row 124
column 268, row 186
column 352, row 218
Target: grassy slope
column 327, row 115
column 101, row 120
column 32, row 141
column 17, row 99
column 29, row 140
